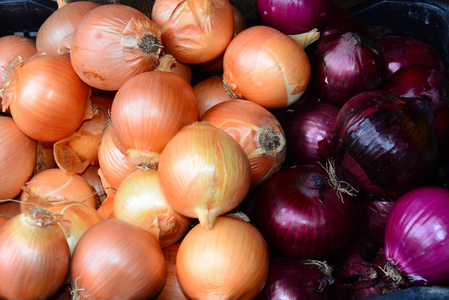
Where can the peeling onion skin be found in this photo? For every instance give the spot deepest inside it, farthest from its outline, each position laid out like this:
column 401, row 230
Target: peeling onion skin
column 116, row 258
column 265, row 66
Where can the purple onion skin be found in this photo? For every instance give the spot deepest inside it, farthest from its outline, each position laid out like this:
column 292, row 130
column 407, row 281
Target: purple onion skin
column 310, row 134
column 344, row 65
column 417, row 233
column 294, row 280
column 384, row 145
column 301, row 216
column 341, row 21
column 293, row 17
column 400, row 51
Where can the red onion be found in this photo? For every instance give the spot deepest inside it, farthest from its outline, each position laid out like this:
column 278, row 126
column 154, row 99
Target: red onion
column 302, row 216
column 401, row 51
column 417, row 232
column 384, row 145
column 295, row 280
column 309, row 136
column 341, row 21
column 345, row 64
column 292, row 17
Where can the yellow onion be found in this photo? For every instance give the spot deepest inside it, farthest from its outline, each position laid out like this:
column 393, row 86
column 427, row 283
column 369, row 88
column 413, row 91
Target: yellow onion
column 93, row 178
column 204, row 172
column 9, row 208
column 162, row 9
column 46, row 98
column 263, row 65
column 54, row 186
column 113, row 163
column 81, row 217
column 210, row 91
column 257, row 130
column 169, row 64
column 140, row 201
column 228, row 262
column 76, row 152
column 34, row 255
column 17, row 158
column 148, row 110
column 61, row 23
column 116, row 259
column 112, row 43
column 198, row 30
column 106, row 209
column 171, row 289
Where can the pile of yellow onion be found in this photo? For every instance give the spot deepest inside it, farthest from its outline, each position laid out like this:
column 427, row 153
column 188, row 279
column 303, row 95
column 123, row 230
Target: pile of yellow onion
column 129, row 141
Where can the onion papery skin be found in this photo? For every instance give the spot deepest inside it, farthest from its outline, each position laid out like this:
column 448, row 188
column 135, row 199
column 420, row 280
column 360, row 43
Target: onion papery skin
column 162, row 9
column 171, row 289
column 263, row 65
column 35, row 256
column 140, row 201
column 301, row 215
column 47, row 100
column 93, row 178
column 148, row 110
column 17, row 158
column 294, row 279
column 113, row 43
column 428, row 83
column 416, row 235
column 198, row 31
column 14, row 45
column 384, row 145
column 169, row 64
column 209, row 92
column 311, row 132
column 113, row 163
column 45, row 158
column 293, row 17
column 401, row 51
column 61, row 23
column 345, row 64
column 53, row 186
column 116, row 258
column 228, row 262
column 204, row 172
column 258, row 132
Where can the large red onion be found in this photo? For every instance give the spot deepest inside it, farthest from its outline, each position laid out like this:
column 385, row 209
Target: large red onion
column 384, row 145
column 292, row 17
column 310, row 134
column 416, row 236
column 302, row 216
column 401, row 51
column 341, row 21
column 345, row 64
column 294, row 279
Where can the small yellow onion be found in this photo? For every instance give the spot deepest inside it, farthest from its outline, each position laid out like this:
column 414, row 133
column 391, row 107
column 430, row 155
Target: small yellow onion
column 54, row 186
column 204, row 172
column 257, row 130
column 34, row 255
column 17, row 158
column 76, row 152
column 61, row 23
column 171, row 289
column 112, row 43
column 116, row 259
column 198, row 30
column 140, row 201
column 263, row 65
column 81, row 217
column 46, row 98
column 210, row 91
column 113, row 163
column 228, row 262
column 148, row 110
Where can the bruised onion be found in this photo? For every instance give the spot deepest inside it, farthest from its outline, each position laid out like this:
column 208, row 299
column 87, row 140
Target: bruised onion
column 204, row 172
column 117, row 258
column 228, row 262
column 263, row 65
column 258, row 132
column 345, row 64
column 148, row 110
column 17, row 158
column 302, row 215
column 113, row 43
column 384, row 145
